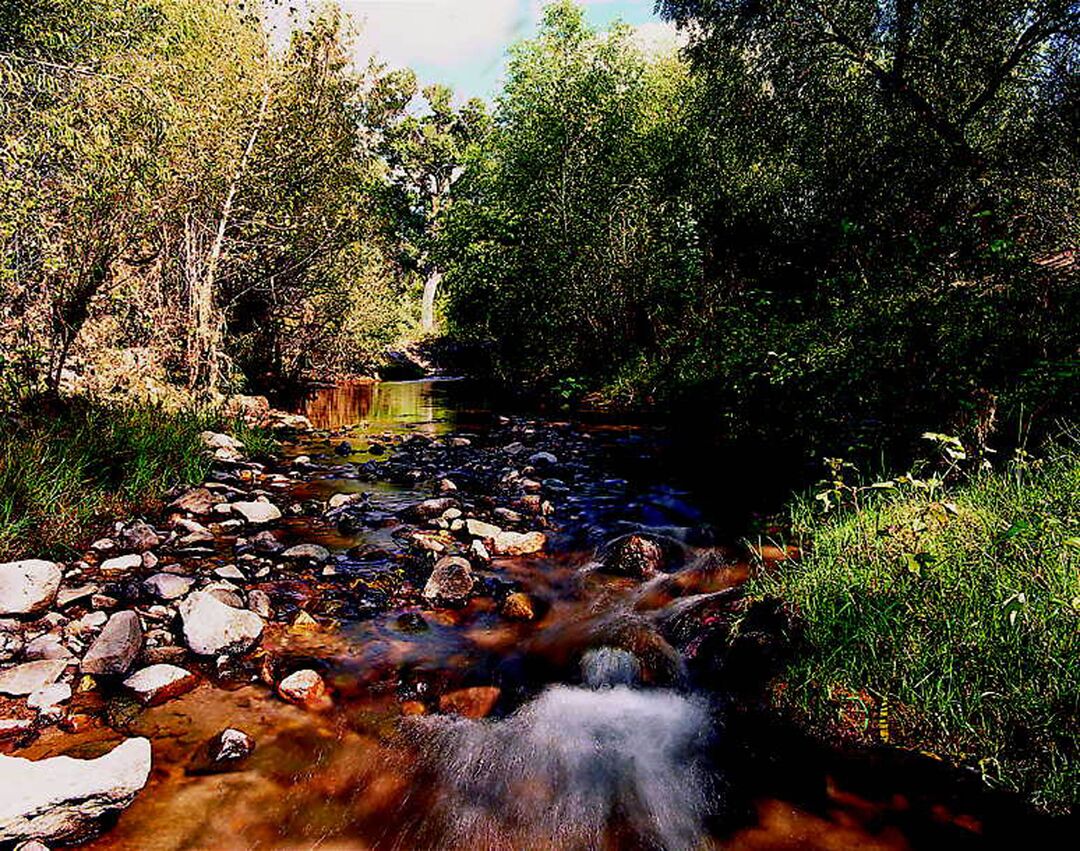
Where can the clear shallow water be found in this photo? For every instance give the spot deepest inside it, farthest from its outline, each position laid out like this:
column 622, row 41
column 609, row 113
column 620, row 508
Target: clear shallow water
column 589, row 746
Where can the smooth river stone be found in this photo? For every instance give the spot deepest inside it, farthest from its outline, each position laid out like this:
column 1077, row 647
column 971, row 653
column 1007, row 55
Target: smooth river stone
column 256, row 513
column 211, row 627
column 31, row 676
column 115, row 649
column 28, row 587
column 61, row 800
column 156, row 684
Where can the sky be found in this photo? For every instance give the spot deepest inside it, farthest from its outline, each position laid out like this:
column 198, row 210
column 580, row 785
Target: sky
column 463, row 43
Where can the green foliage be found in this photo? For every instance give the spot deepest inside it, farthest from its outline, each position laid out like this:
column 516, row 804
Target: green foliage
column 564, row 247
column 172, row 183
column 836, row 217
column 957, row 603
column 62, row 476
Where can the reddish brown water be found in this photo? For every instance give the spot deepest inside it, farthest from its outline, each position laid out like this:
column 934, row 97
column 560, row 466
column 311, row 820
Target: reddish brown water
column 563, row 763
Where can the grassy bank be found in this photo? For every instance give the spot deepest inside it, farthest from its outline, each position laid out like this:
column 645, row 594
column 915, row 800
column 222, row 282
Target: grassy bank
column 946, row 619
column 66, row 470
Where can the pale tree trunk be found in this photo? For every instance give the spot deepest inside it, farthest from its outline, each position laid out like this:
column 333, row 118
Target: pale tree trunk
column 206, row 324
column 427, row 305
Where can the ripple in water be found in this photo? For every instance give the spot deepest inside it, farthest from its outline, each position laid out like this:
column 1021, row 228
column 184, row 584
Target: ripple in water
column 571, row 769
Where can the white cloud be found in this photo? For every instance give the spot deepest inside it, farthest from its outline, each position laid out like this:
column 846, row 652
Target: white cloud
column 657, row 37
column 435, row 32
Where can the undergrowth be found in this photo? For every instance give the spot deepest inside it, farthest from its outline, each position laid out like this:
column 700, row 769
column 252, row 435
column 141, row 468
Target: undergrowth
column 67, row 468
column 945, row 617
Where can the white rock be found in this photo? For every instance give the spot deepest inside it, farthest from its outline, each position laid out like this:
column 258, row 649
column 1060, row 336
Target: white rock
column 211, row 627
column 168, row 586
column 61, row 799
column 47, row 699
column 256, row 512
column 122, row 564
column 28, row 587
column 30, row 677
column 158, row 683
column 480, row 529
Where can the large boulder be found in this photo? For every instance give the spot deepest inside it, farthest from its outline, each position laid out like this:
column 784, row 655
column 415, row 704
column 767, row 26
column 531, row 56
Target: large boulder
column 62, row 800
column 451, row 582
column 28, row 587
column 211, row 627
column 116, row 648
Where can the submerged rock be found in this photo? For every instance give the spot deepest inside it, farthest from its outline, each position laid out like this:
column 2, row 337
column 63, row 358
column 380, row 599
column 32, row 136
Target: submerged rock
column 211, row 627
column 635, row 556
column 224, row 752
column 28, row 587
column 63, row 799
column 476, row 702
column 519, row 607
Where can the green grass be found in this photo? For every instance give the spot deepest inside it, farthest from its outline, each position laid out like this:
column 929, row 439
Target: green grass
column 66, row 470
column 959, row 607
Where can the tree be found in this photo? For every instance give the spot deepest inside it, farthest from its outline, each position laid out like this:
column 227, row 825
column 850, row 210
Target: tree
column 426, row 152
column 569, row 244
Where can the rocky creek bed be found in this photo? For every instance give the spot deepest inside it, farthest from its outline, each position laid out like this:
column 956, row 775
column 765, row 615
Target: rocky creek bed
column 405, row 638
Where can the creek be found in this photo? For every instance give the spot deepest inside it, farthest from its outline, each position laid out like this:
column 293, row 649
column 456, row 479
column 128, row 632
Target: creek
column 602, row 721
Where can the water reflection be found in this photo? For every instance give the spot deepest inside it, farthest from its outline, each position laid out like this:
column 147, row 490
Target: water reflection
column 429, row 406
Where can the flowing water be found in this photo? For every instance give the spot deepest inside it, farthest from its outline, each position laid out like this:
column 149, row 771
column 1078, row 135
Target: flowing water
column 598, row 737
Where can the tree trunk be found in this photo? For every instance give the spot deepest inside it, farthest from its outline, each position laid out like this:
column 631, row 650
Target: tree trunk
column 207, row 325
column 427, row 306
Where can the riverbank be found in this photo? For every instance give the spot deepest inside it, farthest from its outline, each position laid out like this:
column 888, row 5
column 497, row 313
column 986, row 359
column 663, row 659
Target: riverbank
column 69, row 467
column 945, row 618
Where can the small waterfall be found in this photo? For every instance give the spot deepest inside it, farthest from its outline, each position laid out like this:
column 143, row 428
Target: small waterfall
column 571, row 768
